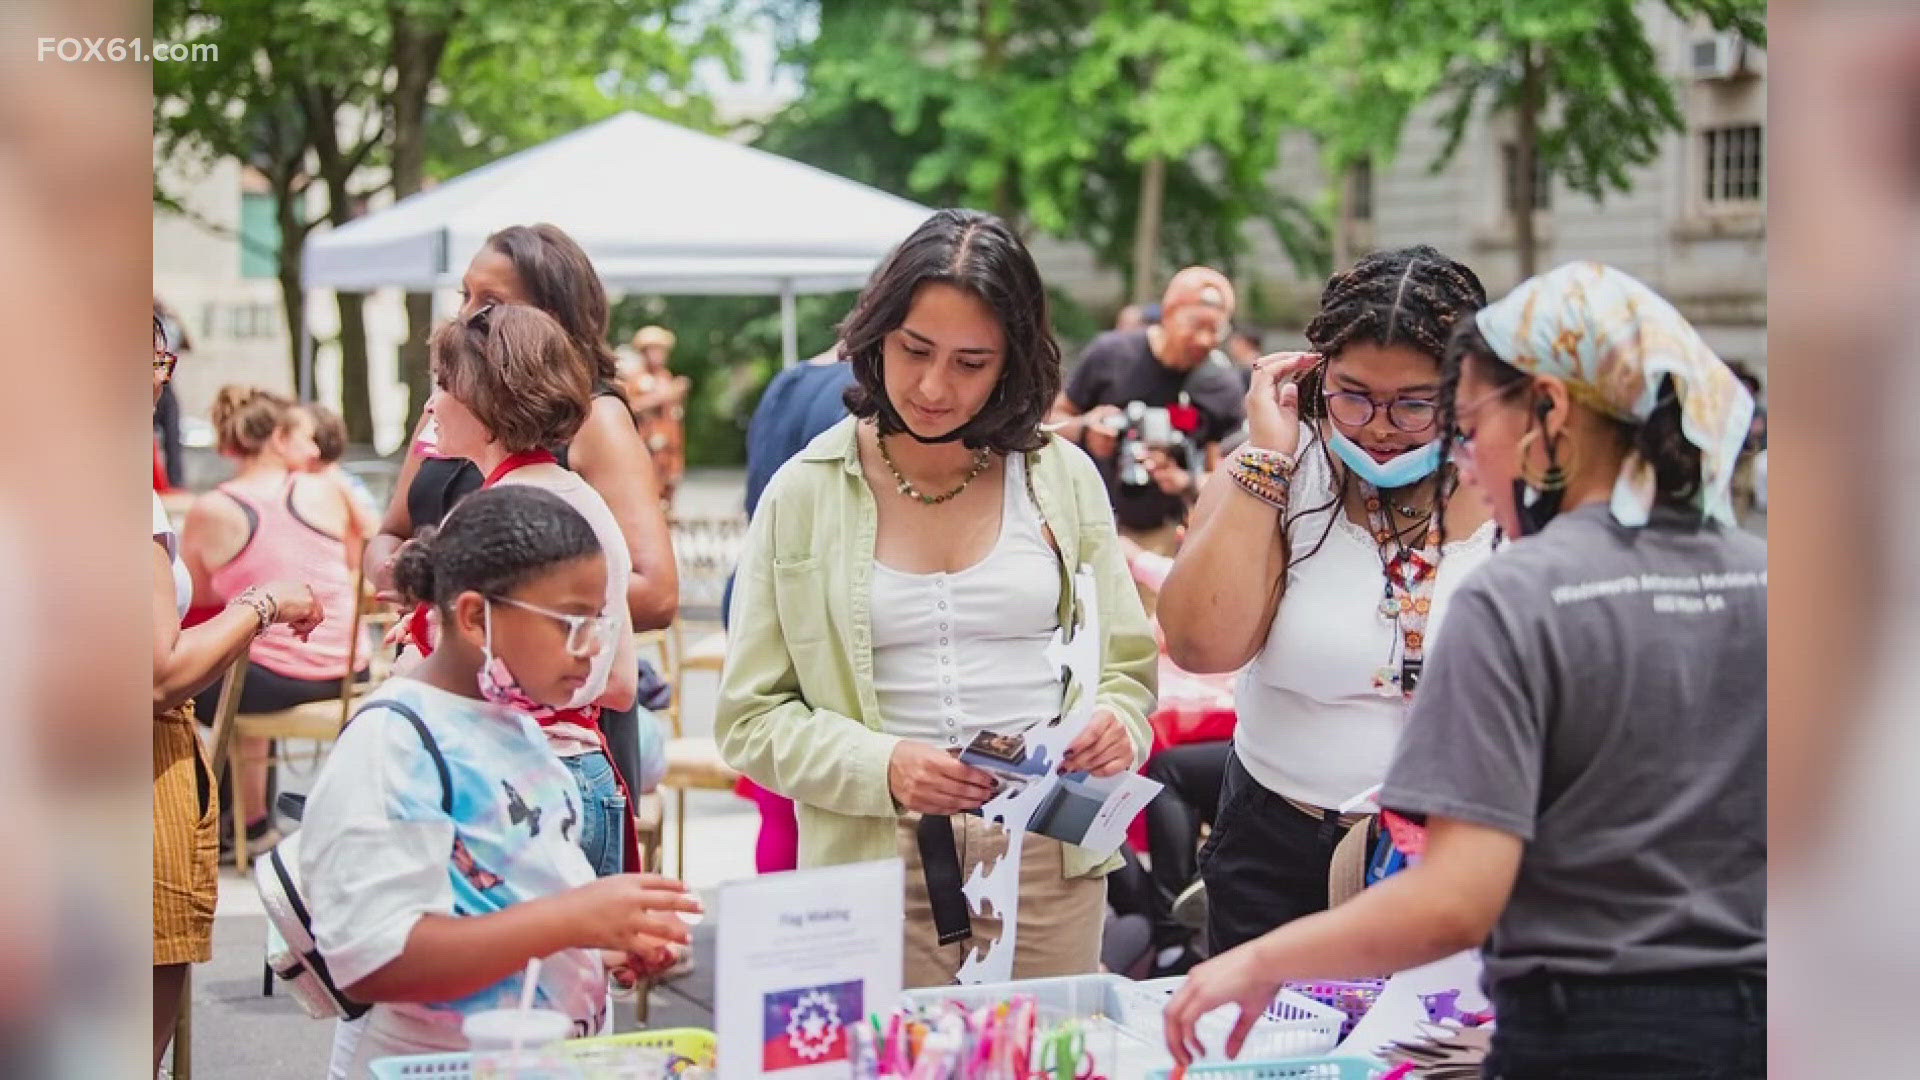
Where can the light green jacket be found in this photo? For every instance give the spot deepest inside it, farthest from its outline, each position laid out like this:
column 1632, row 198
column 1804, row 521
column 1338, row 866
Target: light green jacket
column 797, row 712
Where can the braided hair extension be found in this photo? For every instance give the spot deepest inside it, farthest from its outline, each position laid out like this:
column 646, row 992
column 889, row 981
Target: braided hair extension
column 1412, row 297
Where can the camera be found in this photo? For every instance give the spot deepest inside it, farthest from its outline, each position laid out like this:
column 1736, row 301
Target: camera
column 1142, row 428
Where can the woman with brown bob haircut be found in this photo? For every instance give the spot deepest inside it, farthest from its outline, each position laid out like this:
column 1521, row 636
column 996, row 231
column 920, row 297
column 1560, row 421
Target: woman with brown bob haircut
column 509, row 386
column 902, row 579
column 540, row 266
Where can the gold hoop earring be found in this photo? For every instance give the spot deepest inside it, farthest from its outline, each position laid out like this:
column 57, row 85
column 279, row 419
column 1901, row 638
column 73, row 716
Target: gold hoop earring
column 1556, row 475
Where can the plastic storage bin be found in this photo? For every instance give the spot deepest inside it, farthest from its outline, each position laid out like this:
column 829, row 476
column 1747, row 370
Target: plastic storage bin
column 1294, row 1026
column 1340, row 1068
column 1351, row 996
column 1095, row 1000
column 692, row 1044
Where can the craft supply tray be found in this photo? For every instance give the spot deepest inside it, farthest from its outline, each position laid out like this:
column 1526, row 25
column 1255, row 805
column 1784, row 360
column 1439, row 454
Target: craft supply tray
column 591, row 1059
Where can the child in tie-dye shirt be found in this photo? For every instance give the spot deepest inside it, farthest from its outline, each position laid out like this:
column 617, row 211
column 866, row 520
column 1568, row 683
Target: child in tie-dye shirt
column 438, row 858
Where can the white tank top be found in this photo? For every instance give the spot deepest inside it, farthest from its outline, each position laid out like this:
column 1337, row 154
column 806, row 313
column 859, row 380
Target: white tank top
column 958, row 654
column 1312, row 727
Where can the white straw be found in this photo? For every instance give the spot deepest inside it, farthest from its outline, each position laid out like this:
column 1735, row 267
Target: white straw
column 526, row 1000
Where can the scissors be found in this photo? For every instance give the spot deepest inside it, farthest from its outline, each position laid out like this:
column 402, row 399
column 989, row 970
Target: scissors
column 1065, row 1056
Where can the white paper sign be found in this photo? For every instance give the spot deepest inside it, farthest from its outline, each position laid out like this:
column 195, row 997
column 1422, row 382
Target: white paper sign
column 804, row 956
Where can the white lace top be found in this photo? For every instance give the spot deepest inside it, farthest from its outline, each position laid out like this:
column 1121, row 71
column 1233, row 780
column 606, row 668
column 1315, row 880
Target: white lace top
column 1312, row 727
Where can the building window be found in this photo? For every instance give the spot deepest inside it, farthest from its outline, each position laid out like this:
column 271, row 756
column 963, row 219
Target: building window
column 259, row 235
column 1542, row 179
column 1360, row 191
column 1735, row 169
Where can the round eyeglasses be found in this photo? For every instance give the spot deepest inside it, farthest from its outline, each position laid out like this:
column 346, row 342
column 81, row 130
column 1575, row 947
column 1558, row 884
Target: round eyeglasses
column 165, row 361
column 1357, row 410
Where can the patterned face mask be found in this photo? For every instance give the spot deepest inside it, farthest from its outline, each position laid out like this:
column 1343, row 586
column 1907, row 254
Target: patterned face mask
column 497, row 683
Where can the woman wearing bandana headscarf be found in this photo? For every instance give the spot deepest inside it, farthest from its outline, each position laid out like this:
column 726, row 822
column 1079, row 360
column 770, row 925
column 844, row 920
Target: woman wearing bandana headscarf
column 1587, row 752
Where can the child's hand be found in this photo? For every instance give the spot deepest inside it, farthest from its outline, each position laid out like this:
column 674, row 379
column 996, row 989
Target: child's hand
column 628, row 970
column 634, row 914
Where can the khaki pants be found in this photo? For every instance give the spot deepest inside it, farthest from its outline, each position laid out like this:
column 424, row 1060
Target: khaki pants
column 1061, row 918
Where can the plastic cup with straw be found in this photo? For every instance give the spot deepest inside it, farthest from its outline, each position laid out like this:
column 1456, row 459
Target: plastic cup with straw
column 512, row 1029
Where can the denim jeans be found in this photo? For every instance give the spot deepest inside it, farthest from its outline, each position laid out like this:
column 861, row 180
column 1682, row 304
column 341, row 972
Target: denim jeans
column 1690, row 1026
column 603, row 812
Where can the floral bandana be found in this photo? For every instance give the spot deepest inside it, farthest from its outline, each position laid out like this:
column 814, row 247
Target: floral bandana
column 1613, row 340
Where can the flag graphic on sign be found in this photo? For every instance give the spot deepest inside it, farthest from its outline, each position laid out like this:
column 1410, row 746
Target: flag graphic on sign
column 808, row 1026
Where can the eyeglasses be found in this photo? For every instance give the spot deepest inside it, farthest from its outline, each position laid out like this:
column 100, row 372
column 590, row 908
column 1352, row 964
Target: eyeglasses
column 586, row 634
column 165, row 361
column 1462, row 438
column 1357, row 410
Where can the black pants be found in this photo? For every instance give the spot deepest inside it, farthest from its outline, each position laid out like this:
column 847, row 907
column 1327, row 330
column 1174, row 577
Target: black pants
column 267, row 691
column 1266, row 862
column 1192, row 775
column 264, row 691
column 1694, row 1026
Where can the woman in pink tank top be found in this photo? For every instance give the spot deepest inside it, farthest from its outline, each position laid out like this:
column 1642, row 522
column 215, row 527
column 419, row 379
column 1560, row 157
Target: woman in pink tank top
column 275, row 521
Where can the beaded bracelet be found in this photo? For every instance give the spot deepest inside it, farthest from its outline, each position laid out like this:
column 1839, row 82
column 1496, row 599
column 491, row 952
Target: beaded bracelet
column 263, row 606
column 1270, row 463
column 1272, row 490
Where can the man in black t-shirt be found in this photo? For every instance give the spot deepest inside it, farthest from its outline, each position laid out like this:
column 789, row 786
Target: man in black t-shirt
column 1170, row 366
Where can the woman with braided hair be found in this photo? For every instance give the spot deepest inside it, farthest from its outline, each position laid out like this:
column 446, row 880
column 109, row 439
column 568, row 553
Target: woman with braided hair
column 1341, row 507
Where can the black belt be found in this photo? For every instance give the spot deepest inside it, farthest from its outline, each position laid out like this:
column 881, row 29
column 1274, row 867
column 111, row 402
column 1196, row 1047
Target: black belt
column 940, row 861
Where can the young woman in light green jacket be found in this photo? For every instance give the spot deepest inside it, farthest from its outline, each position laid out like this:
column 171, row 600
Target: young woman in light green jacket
column 900, row 584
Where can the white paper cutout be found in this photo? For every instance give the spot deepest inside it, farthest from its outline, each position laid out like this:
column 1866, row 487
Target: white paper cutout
column 996, row 889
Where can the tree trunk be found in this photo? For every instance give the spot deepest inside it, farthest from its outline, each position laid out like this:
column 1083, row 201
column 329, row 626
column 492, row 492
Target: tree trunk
column 993, row 59
column 356, row 391
column 1525, row 148
column 336, row 169
column 1146, row 229
column 293, row 235
column 417, row 50
column 1343, row 218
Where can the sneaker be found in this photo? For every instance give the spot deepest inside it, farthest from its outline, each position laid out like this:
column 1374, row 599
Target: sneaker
column 1190, row 907
column 258, row 846
column 1173, row 961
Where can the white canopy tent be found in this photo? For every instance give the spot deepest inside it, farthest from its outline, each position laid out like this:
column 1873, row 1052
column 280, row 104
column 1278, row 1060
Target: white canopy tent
column 657, row 207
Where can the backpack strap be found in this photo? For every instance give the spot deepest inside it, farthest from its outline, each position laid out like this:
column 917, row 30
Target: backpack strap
column 426, row 739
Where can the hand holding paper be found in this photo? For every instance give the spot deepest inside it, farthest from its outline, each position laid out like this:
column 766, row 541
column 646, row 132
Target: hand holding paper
column 929, row 780
column 1102, row 748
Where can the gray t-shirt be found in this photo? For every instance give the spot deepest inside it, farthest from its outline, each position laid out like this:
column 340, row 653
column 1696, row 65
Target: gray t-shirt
column 1601, row 693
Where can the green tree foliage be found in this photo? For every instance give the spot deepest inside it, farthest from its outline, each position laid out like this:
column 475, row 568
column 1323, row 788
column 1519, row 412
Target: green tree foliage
column 1580, row 78
column 1049, row 112
column 285, row 82
column 416, row 89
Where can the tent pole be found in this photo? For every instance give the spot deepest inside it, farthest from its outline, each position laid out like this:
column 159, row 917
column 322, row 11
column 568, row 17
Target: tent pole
column 789, row 327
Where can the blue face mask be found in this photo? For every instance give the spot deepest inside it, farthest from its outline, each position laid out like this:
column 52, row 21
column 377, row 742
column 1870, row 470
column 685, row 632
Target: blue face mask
column 1409, row 468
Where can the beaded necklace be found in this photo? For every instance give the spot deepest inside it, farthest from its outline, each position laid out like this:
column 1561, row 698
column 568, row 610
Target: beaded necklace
column 1408, row 597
